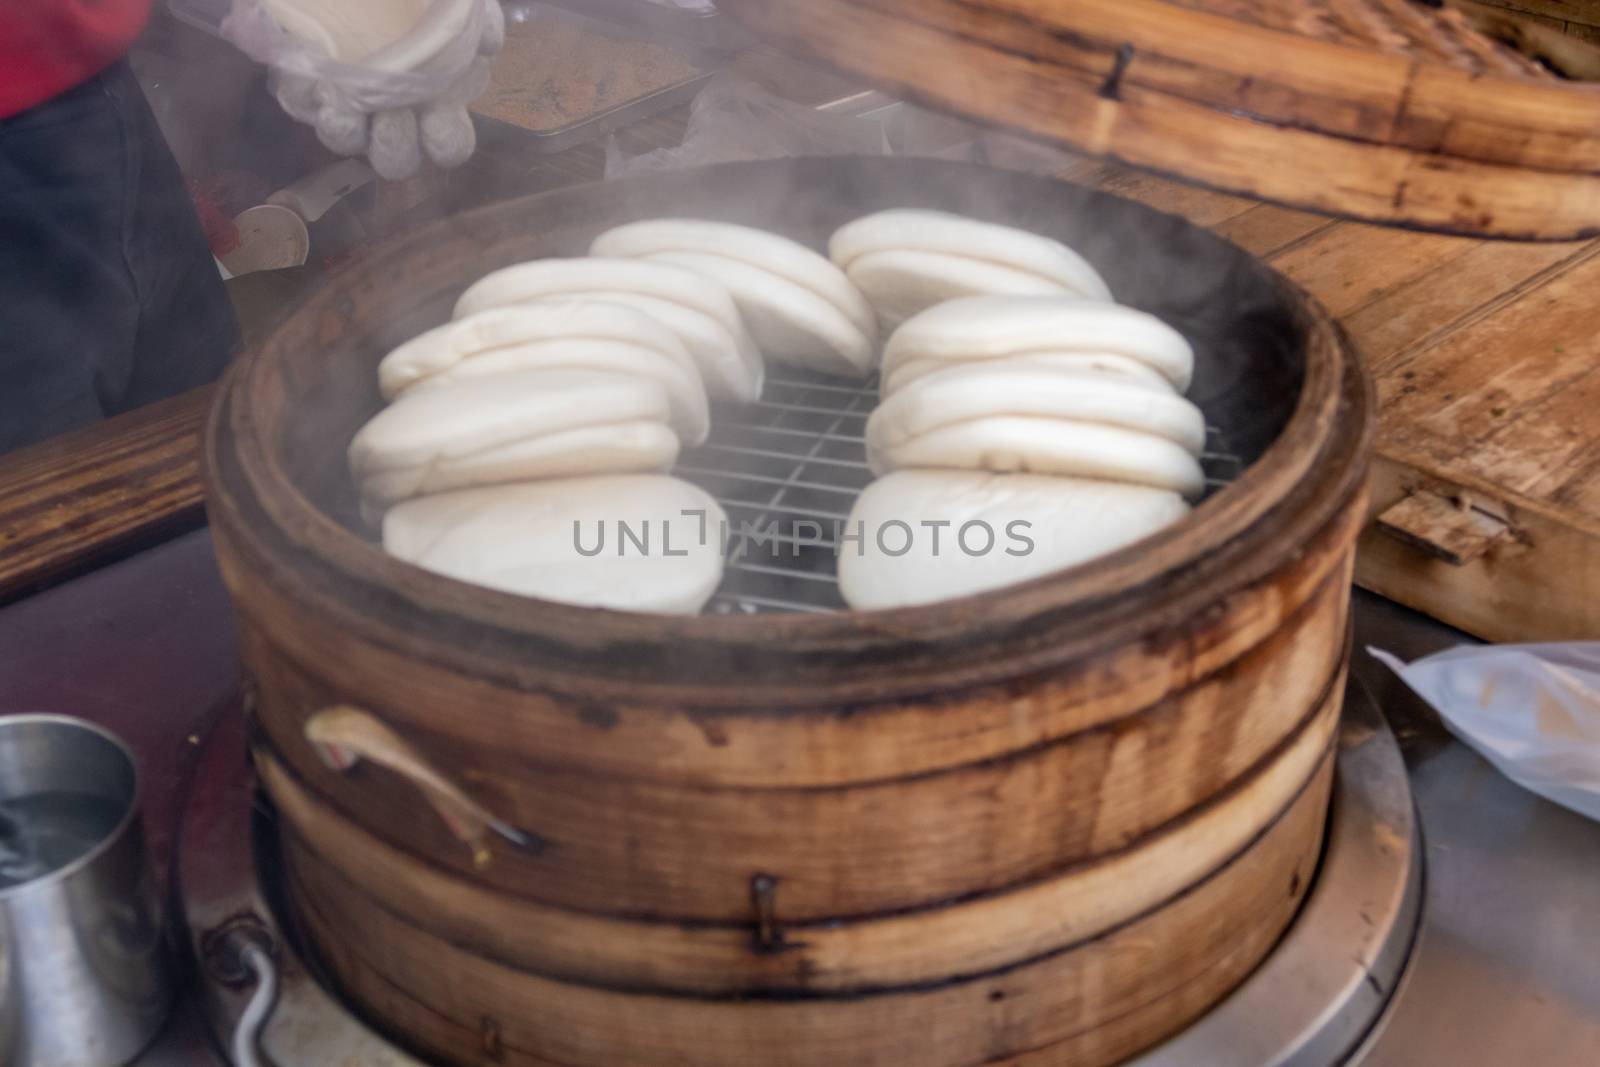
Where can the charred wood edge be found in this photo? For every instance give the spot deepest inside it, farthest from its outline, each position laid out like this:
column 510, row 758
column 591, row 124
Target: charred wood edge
column 797, row 995
column 124, row 452
column 1172, row 826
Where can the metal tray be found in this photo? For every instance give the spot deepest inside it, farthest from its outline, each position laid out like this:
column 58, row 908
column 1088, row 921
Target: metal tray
column 708, row 29
column 503, row 138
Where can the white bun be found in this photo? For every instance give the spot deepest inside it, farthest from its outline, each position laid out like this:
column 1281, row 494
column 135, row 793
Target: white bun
column 975, row 391
column 616, row 448
column 995, row 327
column 445, row 346
column 1005, row 444
column 454, row 432
column 696, row 308
column 691, row 415
column 790, row 323
column 908, row 229
column 771, row 252
column 903, row 283
column 1120, row 367
column 1069, row 521
column 730, row 365
column 523, row 539
column 542, row 278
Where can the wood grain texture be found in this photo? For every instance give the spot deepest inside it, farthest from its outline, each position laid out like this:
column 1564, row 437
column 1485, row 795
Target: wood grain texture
column 1586, row 11
column 72, row 501
column 1541, row 584
column 1454, row 137
column 619, row 846
column 1087, row 1004
column 338, row 857
column 1451, row 529
column 1397, row 27
column 1566, row 13
column 1487, row 359
column 1496, row 405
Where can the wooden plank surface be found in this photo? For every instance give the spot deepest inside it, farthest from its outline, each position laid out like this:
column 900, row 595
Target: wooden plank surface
column 108, row 488
column 1487, row 361
column 1563, row 12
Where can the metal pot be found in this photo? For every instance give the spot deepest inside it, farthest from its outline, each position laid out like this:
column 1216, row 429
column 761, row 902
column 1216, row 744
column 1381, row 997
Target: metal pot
column 89, row 969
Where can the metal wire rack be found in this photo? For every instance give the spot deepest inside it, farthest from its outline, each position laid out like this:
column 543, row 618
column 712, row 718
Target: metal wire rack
column 787, row 469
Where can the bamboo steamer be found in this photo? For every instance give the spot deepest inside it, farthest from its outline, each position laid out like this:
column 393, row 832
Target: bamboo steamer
column 1046, row 825
column 1382, row 110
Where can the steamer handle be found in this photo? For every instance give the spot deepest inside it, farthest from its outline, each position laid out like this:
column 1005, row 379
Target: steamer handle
column 344, row 736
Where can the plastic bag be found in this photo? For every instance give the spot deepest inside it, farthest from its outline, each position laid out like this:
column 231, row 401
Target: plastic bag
column 735, row 119
column 1531, row 710
column 390, row 109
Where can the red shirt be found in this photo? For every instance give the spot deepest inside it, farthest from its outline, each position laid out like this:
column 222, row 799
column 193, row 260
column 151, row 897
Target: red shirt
column 50, row 46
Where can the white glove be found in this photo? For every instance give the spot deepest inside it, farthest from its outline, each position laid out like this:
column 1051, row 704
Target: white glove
column 388, row 78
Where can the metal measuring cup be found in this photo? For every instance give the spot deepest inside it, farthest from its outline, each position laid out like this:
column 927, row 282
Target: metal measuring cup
column 88, row 964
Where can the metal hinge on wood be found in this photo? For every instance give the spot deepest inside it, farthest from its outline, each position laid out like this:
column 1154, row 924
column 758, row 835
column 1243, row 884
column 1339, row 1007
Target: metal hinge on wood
column 1453, row 529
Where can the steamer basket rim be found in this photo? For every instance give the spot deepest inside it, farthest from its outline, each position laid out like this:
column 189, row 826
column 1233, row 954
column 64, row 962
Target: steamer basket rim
column 1315, row 467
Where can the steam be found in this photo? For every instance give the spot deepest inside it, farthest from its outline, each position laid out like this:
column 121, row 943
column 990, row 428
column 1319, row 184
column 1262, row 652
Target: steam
column 793, row 169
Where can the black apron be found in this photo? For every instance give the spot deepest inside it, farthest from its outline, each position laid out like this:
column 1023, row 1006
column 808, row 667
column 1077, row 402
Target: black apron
column 109, row 296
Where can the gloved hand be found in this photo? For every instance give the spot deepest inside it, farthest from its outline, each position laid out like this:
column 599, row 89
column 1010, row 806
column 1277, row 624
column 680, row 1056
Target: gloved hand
column 388, row 78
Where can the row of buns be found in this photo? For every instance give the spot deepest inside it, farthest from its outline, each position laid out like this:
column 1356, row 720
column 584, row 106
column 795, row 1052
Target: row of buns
column 562, row 390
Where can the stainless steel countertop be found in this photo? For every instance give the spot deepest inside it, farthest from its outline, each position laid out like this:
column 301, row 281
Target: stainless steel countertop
column 1508, row 969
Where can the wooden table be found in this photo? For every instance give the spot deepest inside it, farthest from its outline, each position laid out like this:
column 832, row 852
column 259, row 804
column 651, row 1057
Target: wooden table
column 1486, row 487
column 92, row 494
